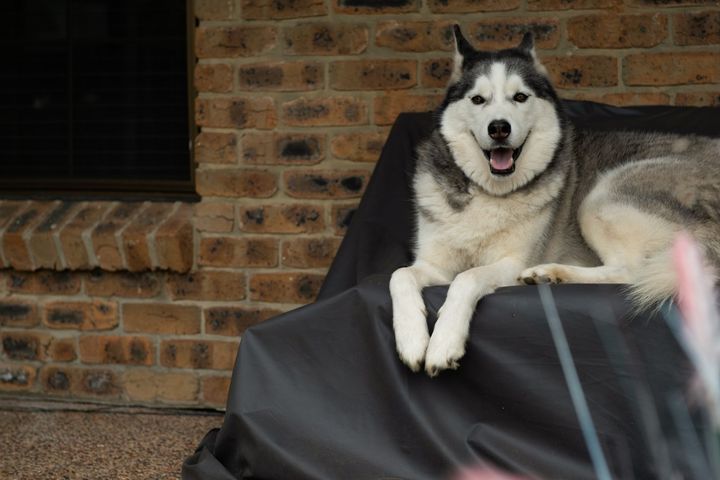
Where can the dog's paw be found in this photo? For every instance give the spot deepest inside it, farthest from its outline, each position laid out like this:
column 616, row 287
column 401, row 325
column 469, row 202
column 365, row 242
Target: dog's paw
column 445, row 350
column 411, row 334
column 549, row 273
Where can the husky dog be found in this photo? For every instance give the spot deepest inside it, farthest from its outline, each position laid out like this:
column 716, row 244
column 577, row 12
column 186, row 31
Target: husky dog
column 507, row 192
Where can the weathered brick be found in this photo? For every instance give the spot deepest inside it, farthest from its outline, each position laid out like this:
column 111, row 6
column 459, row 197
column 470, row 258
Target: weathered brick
column 535, row 5
column 617, row 31
column 290, row 218
column 98, row 383
column 42, row 242
column 166, row 387
column 198, row 354
column 161, row 318
column 207, row 285
column 672, row 68
column 135, row 237
column 265, row 148
column 174, row 241
column 469, row 6
column 285, row 287
column 701, row 28
column 415, row 36
column 214, row 217
column 84, row 382
column 325, row 39
column 325, row 183
column 388, row 107
column 236, row 112
column 698, row 99
column 582, row 71
column 231, row 182
column 233, row 321
column 216, row 147
column 15, row 248
column 94, row 315
column 237, row 252
column 309, row 252
column 9, row 210
column 18, row 313
column 44, row 282
column 325, row 111
column 358, row 146
column 215, row 390
column 74, row 248
column 435, row 72
column 213, row 77
column 25, row 345
column 214, row 9
column 234, row 41
column 282, row 9
column 377, row 6
column 373, row 74
column 342, row 214
column 124, row 350
column 492, row 34
column 15, row 377
column 62, row 349
column 671, row 3
column 123, row 284
column 281, row 76
column 104, row 240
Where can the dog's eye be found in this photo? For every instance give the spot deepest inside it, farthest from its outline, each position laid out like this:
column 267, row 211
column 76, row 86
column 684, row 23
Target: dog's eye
column 477, row 99
column 520, row 97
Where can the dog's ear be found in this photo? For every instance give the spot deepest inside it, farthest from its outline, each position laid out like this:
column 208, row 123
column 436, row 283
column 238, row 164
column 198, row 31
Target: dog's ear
column 463, row 49
column 527, row 45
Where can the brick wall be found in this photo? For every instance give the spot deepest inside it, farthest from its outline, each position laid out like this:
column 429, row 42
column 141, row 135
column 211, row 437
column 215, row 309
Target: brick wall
column 145, row 302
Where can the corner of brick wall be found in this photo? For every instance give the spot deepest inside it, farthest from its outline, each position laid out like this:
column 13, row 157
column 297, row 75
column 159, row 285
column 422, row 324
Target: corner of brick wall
column 145, row 303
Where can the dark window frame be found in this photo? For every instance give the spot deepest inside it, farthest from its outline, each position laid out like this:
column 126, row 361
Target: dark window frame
column 122, row 189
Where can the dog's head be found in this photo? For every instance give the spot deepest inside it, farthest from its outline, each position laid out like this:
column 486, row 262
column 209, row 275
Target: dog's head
column 500, row 116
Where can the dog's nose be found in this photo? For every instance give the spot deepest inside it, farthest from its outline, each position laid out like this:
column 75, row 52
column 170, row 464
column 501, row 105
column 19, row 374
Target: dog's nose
column 499, row 129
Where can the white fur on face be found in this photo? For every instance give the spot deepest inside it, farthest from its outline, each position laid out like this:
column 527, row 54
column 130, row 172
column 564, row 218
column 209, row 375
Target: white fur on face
column 534, row 123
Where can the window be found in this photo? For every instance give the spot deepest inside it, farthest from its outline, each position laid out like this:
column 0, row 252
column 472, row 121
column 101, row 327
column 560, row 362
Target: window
column 95, row 97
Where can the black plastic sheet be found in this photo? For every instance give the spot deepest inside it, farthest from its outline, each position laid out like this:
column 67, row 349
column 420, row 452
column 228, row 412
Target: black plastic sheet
column 319, row 393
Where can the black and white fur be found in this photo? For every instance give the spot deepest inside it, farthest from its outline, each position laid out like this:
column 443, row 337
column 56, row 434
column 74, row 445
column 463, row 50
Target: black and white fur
column 571, row 206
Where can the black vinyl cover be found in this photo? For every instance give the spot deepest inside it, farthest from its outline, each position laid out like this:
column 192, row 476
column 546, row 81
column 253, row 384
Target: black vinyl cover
column 319, row 393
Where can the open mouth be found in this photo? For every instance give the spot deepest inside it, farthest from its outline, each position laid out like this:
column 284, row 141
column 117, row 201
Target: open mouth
column 502, row 160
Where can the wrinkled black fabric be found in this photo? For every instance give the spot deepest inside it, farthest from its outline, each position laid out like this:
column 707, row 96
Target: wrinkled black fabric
column 319, row 393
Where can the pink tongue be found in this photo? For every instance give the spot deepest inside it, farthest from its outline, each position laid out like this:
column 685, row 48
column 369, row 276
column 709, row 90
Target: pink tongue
column 501, row 158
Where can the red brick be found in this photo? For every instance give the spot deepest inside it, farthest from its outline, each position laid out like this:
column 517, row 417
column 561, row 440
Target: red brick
column 236, row 252
column 104, row 240
column 672, row 68
column 62, row 350
column 74, row 248
column 42, row 242
column 44, row 282
column 435, row 72
column 308, row 183
column 289, row 218
column 15, row 377
column 56, row 380
column 216, row 147
column 136, row 240
column 373, row 74
column 214, row 9
column 325, row 111
column 582, row 71
column 161, row 318
column 213, row 77
column 207, row 285
column 215, row 390
column 95, row 315
column 309, row 252
column 233, row 321
column 18, row 313
column 358, row 146
column 698, row 99
column 229, row 182
column 116, row 349
column 468, row 6
column 165, row 387
column 123, row 284
column 281, row 76
column 617, row 31
column 198, row 354
column 236, row 112
column 15, row 248
column 534, row 5
column 174, row 241
column 376, row 7
column 214, row 217
column 388, row 107
column 326, row 39
column 234, row 41
column 8, row 211
column 700, row 28
column 285, row 287
column 342, row 214
column 25, row 345
column 415, row 36
column 500, row 33
column 265, row 148
column 281, row 9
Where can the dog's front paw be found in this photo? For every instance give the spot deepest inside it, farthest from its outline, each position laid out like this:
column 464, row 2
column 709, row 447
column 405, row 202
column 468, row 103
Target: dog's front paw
column 447, row 344
column 411, row 335
column 548, row 273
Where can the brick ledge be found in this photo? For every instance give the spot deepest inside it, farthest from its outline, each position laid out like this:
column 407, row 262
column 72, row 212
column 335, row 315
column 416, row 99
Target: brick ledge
column 112, row 236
